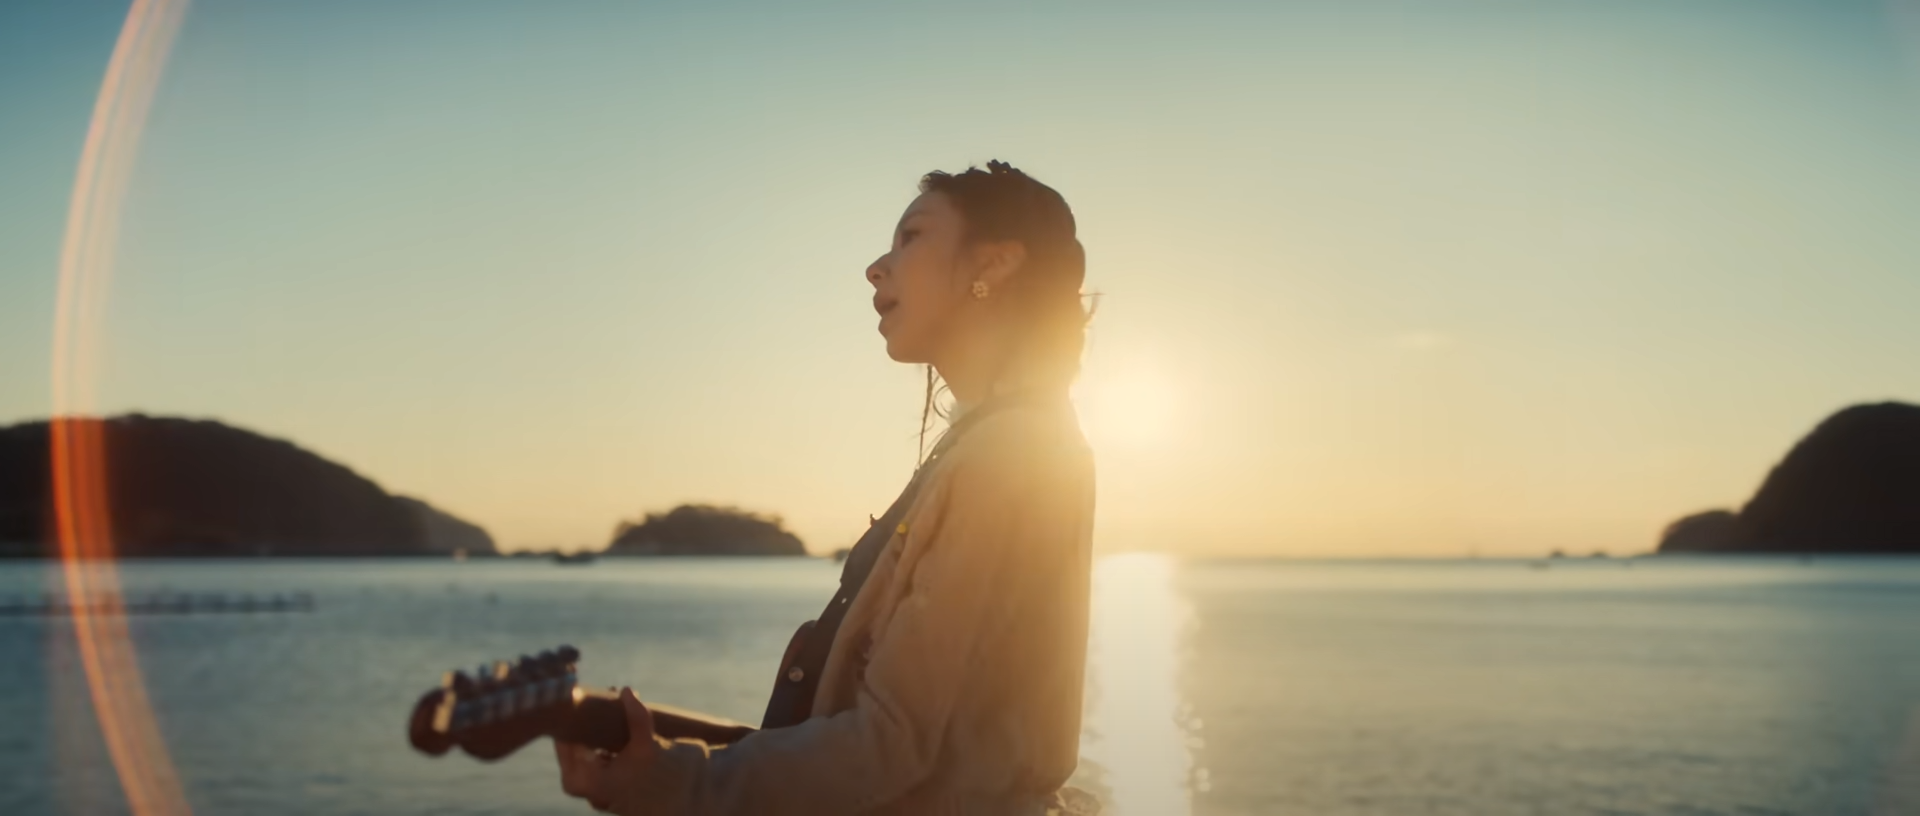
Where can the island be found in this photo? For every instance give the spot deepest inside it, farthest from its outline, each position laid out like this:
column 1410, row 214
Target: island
column 705, row 529
column 197, row 488
column 1851, row 486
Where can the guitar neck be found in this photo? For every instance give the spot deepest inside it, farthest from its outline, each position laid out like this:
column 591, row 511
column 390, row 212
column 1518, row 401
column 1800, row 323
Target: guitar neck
column 500, row 709
column 600, row 721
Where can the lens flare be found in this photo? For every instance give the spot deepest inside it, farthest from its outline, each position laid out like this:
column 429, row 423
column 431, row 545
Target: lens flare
column 82, row 520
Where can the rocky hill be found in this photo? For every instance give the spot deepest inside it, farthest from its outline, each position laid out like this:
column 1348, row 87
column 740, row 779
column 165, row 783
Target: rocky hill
column 700, row 529
column 179, row 487
column 1851, row 486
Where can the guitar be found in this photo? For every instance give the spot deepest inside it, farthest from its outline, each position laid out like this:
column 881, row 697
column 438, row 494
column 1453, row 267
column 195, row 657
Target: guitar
column 500, row 708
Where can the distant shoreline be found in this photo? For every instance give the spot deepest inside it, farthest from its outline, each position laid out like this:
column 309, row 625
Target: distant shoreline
column 7, row 555
column 1411, row 560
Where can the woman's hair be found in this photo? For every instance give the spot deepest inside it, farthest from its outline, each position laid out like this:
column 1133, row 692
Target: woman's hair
column 1042, row 299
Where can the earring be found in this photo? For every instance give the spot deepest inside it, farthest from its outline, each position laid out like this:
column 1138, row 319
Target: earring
column 979, row 290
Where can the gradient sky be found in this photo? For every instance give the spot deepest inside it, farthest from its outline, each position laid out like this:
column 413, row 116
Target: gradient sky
column 1379, row 279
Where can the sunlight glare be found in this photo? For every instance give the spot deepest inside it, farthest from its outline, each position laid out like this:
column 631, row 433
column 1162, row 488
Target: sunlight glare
column 1134, row 408
column 1137, row 730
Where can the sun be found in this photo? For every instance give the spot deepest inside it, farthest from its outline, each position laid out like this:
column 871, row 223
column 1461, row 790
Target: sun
column 1132, row 407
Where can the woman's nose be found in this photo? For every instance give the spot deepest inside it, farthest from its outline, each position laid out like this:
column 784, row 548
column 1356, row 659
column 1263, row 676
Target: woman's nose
column 877, row 270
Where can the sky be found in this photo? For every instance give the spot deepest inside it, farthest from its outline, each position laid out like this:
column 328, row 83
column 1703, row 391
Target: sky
column 1377, row 279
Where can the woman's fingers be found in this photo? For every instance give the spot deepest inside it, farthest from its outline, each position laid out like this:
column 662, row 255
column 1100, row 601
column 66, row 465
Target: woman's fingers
column 639, row 720
column 569, row 774
column 581, row 771
column 597, row 776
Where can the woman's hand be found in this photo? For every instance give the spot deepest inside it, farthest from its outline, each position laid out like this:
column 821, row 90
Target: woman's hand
column 610, row 781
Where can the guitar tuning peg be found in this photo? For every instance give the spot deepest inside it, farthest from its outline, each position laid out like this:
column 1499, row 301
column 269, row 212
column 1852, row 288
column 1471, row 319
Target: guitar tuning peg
column 459, row 682
column 568, row 654
column 502, row 671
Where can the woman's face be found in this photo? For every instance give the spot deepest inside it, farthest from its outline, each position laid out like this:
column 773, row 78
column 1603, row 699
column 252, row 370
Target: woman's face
column 921, row 287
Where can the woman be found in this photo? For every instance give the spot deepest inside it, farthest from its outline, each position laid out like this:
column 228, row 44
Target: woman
column 953, row 683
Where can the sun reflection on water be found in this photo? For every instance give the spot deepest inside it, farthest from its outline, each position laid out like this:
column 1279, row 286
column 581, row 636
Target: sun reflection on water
column 1138, row 736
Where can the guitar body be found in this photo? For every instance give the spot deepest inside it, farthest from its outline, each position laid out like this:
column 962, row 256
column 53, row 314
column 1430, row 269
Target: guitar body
column 791, row 702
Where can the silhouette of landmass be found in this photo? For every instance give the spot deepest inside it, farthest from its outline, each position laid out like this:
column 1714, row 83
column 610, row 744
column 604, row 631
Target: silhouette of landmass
column 446, row 532
column 1851, row 486
column 700, row 529
column 179, row 487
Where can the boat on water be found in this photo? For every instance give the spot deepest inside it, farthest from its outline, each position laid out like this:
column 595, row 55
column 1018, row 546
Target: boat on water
column 582, row 557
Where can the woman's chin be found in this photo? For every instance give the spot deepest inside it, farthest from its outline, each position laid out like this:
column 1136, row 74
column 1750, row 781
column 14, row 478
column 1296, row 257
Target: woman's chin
column 901, row 353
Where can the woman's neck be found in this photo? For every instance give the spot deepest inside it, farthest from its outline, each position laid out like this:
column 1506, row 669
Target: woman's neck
column 970, row 371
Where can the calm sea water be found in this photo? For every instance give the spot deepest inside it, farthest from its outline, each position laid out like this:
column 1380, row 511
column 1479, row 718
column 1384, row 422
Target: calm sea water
column 1748, row 686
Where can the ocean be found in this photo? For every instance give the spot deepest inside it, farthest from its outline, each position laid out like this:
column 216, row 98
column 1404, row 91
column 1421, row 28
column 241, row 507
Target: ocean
column 1483, row 687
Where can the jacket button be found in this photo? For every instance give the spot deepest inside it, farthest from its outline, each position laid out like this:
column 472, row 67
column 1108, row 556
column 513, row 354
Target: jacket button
column 796, row 674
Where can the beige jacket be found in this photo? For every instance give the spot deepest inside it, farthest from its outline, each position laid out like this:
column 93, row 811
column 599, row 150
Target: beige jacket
column 954, row 685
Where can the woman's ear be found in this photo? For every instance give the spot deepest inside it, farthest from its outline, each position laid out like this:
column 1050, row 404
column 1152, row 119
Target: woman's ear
column 996, row 262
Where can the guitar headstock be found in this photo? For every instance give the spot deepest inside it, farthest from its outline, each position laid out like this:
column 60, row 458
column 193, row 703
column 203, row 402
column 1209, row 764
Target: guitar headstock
column 498, row 708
